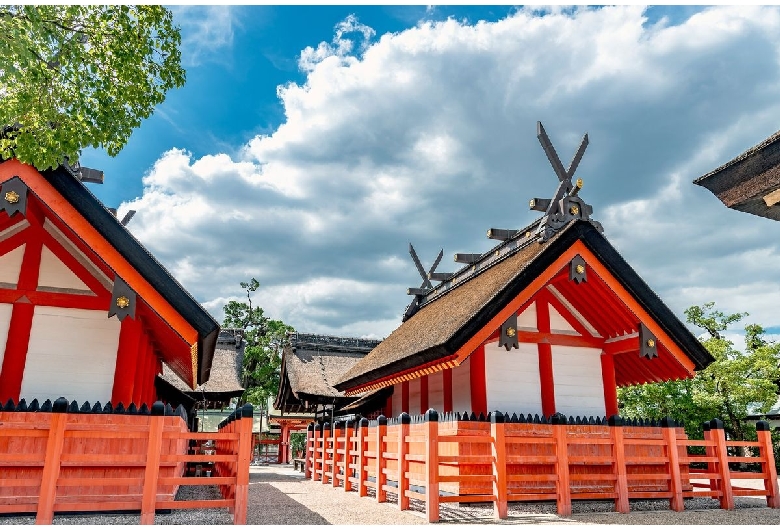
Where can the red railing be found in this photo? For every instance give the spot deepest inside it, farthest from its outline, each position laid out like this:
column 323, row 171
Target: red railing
column 501, row 461
column 66, row 461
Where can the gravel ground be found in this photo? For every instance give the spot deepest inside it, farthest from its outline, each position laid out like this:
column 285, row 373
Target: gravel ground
column 278, row 495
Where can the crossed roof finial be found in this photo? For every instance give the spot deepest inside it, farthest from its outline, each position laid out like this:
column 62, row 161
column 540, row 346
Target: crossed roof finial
column 565, row 205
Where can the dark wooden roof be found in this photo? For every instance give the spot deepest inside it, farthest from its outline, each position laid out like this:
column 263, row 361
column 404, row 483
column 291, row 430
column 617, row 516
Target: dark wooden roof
column 225, row 377
column 109, row 227
column 742, row 183
column 442, row 326
column 311, row 364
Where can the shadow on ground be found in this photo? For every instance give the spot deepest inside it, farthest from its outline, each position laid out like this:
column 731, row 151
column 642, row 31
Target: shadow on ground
column 274, row 507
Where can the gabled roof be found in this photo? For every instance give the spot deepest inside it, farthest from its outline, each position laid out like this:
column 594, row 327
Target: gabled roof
column 750, row 182
column 84, row 215
column 448, row 328
column 311, row 364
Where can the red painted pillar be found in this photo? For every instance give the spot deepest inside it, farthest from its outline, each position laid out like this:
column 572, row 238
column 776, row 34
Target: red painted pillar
column 151, row 372
column 477, row 380
column 423, row 394
column 15, row 356
column 610, row 386
column 404, row 397
column 143, row 349
column 388, row 411
column 126, row 361
column 546, row 377
column 448, row 390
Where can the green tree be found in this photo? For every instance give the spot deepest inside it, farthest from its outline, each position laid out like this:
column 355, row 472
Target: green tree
column 265, row 339
column 81, row 75
column 737, row 384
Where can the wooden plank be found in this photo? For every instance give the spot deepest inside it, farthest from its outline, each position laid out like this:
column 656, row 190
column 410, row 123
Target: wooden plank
column 675, row 482
column 498, row 447
column 523, row 497
column 432, row 477
column 466, row 498
column 195, row 481
column 563, row 485
column 194, row 505
column 51, row 469
column 152, row 469
column 769, row 469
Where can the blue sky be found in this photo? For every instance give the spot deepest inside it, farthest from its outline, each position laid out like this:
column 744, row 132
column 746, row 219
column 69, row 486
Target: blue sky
column 311, row 144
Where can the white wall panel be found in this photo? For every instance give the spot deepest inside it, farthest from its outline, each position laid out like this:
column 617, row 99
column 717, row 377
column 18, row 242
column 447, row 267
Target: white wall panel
column 396, row 399
column 54, row 273
column 513, row 379
column 436, row 391
column 579, row 389
column 72, row 353
column 5, row 321
column 558, row 323
column 414, row 397
column 10, row 265
column 461, row 387
column 527, row 319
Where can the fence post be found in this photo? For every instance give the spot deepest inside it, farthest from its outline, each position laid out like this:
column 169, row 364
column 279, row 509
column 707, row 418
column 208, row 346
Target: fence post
column 669, row 428
column 338, row 430
column 316, row 452
column 381, row 479
column 326, row 434
column 497, row 431
column 347, row 455
column 244, row 457
column 51, row 465
column 156, row 421
column 362, row 471
column 309, row 451
column 709, row 452
column 563, row 487
column 432, row 465
column 403, row 481
column 615, row 424
column 719, row 435
column 768, row 464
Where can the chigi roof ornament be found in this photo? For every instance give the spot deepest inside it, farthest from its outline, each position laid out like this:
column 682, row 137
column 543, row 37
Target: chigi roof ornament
column 565, row 205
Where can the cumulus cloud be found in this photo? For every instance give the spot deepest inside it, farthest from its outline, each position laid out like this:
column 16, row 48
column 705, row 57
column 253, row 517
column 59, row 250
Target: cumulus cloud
column 428, row 136
column 206, row 32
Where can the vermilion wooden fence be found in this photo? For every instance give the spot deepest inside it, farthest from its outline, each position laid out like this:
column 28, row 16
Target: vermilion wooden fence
column 64, row 461
column 506, row 459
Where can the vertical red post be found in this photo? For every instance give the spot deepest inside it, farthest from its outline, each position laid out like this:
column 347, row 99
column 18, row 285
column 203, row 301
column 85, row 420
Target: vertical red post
column 244, row 426
column 348, row 455
column 423, row 394
column 563, row 485
column 51, row 465
column 768, row 464
column 404, row 421
column 609, row 383
column 497, row 431
column 143, row 350
column 546, row 376
column 615, row 423
column 432, row 466
column 316, row 469
column 309, row 456
column 16, row 345
column 404, row 397
column 388, row 410
column 709, row 451
column 672, row 451
column 477, row 381
column 447, row 390
column 362, row 472
column 719, row 436
column 130, row 335
column 381, row 478
column 338, row 432
column 326, row 434
column 152, row 470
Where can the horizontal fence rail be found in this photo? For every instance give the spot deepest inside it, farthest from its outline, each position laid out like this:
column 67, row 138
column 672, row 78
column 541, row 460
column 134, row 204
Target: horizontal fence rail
column 502, row 459
column 58, row 457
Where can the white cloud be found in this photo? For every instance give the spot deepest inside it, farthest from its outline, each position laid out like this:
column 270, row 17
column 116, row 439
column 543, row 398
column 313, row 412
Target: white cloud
column 428, row 136
column 206, row 32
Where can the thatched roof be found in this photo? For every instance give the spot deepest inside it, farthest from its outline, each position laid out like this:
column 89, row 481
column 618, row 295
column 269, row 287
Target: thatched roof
column 744, row 182
column 446, row 323
column 311, row 364
column 225, row 378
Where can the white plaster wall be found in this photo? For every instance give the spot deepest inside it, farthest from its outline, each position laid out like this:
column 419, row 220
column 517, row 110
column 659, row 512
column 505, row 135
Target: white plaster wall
column 10, row 265
column 560, row 324
column 397, row 399
column 54, row 273
column 513, row 379
column 527, row 319
column 72, row 353
column 461, row 387
column 436, row 391
column 579, row 389
column 5, row 321
column 414, row 397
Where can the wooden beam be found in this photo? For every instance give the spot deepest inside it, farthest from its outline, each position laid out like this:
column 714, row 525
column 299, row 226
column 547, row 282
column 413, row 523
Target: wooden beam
column 16, row 346
column 609, row 384
column 404, row 397
column 477, row 381
column 558, row 339
column 447, row 375
column 623, row 344
column 130, row 336
column 546, row 376
column 423, row 394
